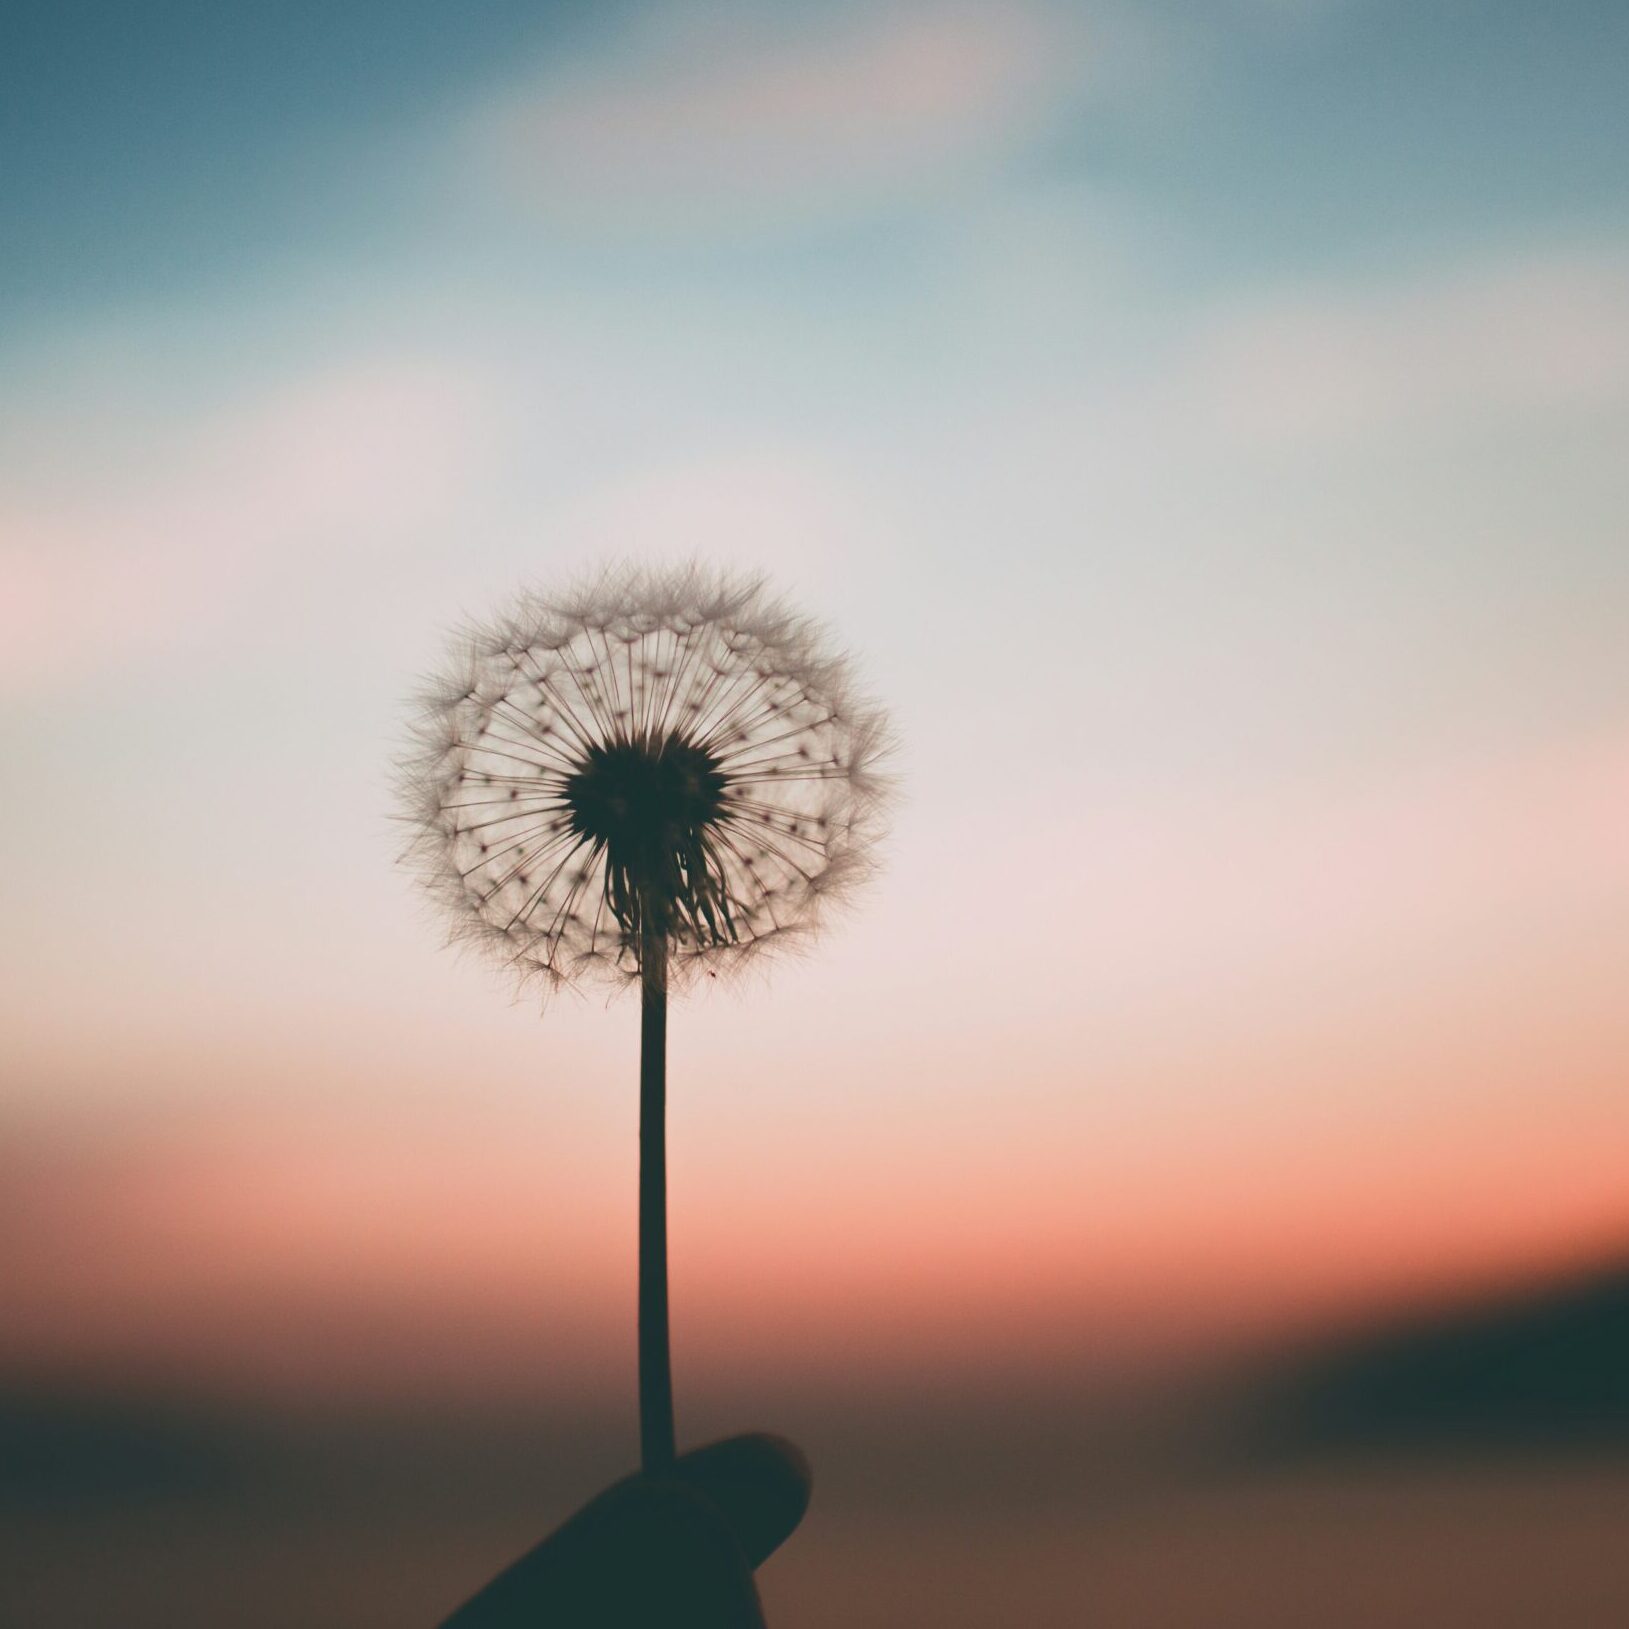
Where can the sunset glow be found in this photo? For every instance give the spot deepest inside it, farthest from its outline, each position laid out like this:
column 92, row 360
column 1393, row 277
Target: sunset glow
column 1206, row 424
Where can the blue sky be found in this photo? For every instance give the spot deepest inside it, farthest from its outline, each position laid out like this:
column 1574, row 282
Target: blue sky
column 167, row 148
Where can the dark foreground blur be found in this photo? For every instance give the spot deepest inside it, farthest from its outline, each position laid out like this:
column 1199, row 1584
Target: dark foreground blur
column 1472, row 1468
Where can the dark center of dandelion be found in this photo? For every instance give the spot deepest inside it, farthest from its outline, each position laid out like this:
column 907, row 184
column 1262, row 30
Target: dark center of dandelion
column 650, row 807
column 640, row 800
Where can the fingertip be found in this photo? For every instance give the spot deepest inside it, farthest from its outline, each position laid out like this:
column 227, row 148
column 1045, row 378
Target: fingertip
column 760, row 1484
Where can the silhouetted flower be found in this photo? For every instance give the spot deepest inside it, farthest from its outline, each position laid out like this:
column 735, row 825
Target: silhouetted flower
column 659, row 771
column 667, row 753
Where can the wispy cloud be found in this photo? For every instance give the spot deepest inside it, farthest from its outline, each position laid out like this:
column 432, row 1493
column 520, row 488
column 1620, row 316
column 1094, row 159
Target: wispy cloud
column 1518, row 337
column 722, row 108
column 346, row 457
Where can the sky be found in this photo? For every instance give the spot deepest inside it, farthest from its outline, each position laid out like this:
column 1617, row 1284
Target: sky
column 1202, row 421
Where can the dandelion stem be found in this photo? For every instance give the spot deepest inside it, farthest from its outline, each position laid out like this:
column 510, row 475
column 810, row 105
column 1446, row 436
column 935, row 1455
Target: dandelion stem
column 657, row 1450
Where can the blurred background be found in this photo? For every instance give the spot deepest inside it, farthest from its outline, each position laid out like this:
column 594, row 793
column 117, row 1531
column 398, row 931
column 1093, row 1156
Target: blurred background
column 1194, row 1189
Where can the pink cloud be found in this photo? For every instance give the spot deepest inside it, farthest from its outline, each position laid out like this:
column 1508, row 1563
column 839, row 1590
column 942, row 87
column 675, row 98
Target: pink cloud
column 723, row 106
column 343, row 461
column 1496, row 341
column 1406, row 875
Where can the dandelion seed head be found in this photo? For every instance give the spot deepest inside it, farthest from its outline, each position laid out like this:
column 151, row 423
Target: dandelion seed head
column 668, row 753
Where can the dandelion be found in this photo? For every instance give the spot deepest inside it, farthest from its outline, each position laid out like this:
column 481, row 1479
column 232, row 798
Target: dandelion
column 659, row 775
